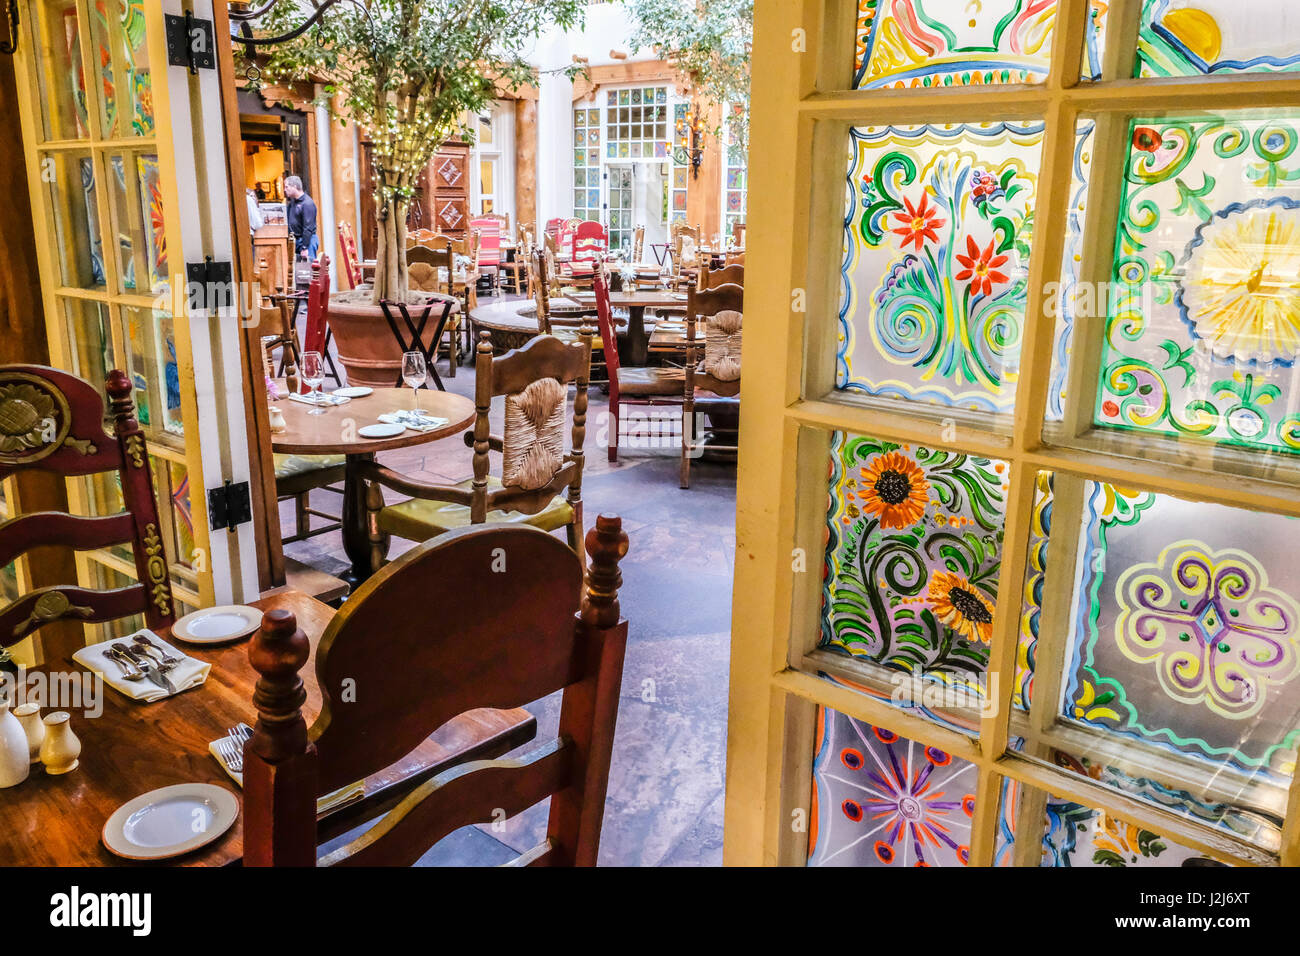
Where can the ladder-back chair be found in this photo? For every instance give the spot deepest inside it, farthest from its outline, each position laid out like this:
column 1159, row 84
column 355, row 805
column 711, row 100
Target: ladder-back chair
column 53, row 421
column 540, row 484
column 715, row 375
column 640, row 386
column 540, row 631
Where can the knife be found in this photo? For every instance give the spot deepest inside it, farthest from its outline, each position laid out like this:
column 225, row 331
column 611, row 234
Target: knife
column 150, row 669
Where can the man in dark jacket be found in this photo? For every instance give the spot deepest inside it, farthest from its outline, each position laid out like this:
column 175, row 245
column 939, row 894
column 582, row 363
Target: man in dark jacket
column 302, row 219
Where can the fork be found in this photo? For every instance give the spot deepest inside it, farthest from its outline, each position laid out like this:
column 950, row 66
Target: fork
column 130, row 670
column 166, row 661
column 231, row 756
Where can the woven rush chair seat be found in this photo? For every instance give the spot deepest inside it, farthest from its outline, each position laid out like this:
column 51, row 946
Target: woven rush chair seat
column 290, row 466
column 650, row 381
column 419, row 519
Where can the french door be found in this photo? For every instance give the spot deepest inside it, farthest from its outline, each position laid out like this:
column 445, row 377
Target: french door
column 1015, row 581
column 126, row 157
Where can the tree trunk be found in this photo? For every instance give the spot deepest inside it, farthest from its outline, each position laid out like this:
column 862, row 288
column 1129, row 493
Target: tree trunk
column 391, row 280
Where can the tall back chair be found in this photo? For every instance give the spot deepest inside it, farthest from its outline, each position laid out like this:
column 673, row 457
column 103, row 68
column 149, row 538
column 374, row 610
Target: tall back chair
column 715, row 375
column 489, row 249
column 738, row 235
column 568, row 231
column 53, row 421
column 351, row 258
column 589, row 244
column 473, row 653
column 431, row 268
column 638, row 244
column 317, row 336
column 732, row 274
column 648, row 386
column 540, row 279
column 535, row 468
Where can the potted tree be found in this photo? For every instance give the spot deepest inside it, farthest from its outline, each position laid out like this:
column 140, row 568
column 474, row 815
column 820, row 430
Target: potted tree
column 410, row 74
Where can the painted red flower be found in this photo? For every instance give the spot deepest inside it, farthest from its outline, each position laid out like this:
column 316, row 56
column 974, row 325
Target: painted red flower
column 981, row 267
column 1146, row 139
column 919, row 222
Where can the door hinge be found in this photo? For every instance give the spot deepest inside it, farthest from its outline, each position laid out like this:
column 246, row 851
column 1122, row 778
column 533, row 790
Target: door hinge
column 191, row 42
column 211, row 284
column 229, row 506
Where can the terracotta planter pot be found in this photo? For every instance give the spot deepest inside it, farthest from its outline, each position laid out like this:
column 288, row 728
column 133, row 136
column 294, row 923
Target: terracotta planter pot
column 365, row 343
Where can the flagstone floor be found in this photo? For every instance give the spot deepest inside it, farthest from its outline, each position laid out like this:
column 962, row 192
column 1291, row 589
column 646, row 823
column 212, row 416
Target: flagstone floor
column 665, row 801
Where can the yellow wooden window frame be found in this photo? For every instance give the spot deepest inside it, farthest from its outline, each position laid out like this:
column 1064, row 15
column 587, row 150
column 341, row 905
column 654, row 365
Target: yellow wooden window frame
column 191, row 585
column 802, row 111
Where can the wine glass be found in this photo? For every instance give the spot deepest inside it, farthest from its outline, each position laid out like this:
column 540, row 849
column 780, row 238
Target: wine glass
column 313, row 373
column 414, row 374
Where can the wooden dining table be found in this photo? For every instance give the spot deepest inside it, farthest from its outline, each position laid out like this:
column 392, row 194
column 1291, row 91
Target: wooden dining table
column 132, row 748
column 336, row 432
column 636, row 302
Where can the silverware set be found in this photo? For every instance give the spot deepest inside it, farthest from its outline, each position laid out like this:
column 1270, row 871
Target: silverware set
column 231, row 747
column 141, row 659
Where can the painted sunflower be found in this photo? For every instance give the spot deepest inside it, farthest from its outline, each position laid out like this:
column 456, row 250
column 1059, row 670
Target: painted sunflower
column 960, row 605
column 894, row 487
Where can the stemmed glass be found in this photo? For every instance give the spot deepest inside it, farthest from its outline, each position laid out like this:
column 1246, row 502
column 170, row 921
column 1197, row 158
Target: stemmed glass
column 313, row 373
column 414, row 374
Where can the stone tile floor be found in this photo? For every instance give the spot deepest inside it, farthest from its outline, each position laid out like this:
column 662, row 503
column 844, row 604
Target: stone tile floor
column 664, row 806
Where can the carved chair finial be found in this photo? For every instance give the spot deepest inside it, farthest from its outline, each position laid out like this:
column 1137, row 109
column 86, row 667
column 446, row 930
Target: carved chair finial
column 278, row 651
column 606, row 545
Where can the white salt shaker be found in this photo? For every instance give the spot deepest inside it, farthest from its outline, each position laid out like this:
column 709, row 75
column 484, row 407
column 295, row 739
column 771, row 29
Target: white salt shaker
column 29, row 715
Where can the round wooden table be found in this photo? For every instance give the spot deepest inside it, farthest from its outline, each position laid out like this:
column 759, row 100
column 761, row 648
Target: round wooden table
column 335, row 433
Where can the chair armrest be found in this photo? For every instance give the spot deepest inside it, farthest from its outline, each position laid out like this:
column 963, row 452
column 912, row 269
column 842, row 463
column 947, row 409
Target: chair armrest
column 495, row 442
column 372, row 471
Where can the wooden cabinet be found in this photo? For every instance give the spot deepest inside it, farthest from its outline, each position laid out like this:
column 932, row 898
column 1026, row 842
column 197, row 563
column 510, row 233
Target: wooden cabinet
column 440, row 203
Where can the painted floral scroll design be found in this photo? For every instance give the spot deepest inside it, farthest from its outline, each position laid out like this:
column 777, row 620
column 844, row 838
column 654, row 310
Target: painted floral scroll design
column 913, row 555
column 1211, row 625
column 949, row 303
column 1232, row 289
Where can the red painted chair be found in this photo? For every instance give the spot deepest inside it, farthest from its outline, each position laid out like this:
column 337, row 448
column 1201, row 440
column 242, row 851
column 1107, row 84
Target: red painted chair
column 489, row 247
column 351, row 258
column 54, row 421
column 645, row 387
column 472, row 653
column 590, row 242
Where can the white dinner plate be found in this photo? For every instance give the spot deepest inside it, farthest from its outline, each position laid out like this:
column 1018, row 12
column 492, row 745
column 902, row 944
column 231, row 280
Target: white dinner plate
column 382, row 430
column 170, row 821
column 353, row 391
column 212, row 625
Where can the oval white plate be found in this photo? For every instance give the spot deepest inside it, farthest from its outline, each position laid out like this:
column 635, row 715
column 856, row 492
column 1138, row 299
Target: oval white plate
column 170, row 821
column 212, row 625
column 381, row 430
column 353, row 391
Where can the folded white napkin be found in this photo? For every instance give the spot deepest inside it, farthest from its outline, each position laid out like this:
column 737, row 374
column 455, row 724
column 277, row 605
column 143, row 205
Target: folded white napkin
column 426, row 424
column 326, row 398
column 188, row 673
column 347, row 794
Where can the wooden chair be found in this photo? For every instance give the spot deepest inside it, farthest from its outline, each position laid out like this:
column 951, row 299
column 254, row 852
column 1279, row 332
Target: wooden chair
column 472, row 654
column 645, row 387
column 535, row 469
column 566, row 328
column 738, row 235
column 351, row 258
column 431, row 268
column 732, row 274
column 717, row 374
column 638, row 244
column 54, row 422
column 489, row 250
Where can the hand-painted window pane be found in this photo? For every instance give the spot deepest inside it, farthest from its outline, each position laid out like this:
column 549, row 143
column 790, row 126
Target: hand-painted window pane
column 1036, row 828
column 952, row 42
column 1182, row 660
column 1094, row 39
column 122, row 56
column 937, row 241
column 72, row 187
column 1191, row 37
column 913, row 554
column 1071, row 295
column 56, row 38
column 1204, row 313
column 883, row 800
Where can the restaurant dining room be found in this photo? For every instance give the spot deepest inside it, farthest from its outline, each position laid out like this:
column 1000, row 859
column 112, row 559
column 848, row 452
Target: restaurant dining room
column 374, row 488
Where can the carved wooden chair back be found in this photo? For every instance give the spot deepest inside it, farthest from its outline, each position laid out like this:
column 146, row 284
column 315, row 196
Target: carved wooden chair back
column 474, row 655
column 540, row 278
column 351, row 258
column 738, row 234
column 53, row 421
column 720, row 310
column 535, row 468
column 732, row 274
column 424, row 265
column 420, row 237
